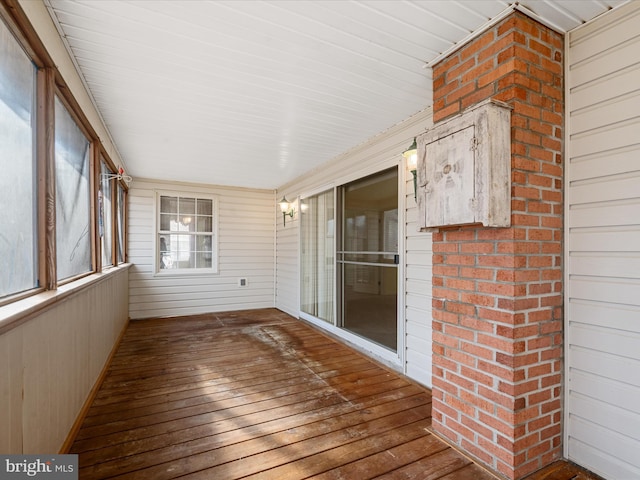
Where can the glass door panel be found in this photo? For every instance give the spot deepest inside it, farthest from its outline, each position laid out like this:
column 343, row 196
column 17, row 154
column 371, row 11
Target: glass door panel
column 368, row 258
column 317, row 248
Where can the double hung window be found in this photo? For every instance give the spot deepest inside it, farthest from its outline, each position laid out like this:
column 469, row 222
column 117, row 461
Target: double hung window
column 186, row 235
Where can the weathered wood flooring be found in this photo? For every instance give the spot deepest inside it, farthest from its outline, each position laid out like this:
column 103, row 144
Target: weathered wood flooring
column 257, row 394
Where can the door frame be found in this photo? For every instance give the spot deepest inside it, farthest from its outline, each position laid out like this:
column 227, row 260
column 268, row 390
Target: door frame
column 397, row 359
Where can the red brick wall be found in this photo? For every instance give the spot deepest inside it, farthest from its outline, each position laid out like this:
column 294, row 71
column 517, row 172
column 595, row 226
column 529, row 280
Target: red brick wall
column 497, row 308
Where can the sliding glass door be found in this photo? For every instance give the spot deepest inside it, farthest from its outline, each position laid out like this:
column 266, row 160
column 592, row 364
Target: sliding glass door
column 367, row 258
column 349, row 258
column 317, row 248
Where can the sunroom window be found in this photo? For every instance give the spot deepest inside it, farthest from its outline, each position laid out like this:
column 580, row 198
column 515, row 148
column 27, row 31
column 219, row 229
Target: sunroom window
column 18, row 194
column 105, row 214
column 73, row 204
column 120, row 203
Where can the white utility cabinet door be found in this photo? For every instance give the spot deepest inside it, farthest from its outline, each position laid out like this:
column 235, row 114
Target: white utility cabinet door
column 464, row 169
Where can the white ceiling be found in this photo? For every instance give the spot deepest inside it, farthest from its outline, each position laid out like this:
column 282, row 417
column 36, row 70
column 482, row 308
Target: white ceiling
column 256, row 93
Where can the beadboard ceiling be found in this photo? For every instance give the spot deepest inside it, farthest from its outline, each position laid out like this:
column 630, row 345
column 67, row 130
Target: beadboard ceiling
column 256, row 93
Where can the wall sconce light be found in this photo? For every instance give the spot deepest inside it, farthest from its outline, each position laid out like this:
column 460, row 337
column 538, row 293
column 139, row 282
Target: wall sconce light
column 411, row 156
column 287, row 209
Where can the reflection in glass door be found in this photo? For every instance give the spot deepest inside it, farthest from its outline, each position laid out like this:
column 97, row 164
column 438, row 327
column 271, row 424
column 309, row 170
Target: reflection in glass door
column 367, row 258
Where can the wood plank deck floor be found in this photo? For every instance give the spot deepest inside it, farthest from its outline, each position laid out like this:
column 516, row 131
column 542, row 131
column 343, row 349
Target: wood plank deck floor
column 258, row 394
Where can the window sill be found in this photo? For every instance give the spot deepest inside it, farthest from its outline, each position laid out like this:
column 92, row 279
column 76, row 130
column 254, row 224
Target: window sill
column 186, row 273
column 20, row 311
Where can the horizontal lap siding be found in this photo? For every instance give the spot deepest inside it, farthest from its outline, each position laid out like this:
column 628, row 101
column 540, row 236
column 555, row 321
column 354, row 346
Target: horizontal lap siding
column 288, row 273
column 418, row 274
column 246, row 249
column 603, row 246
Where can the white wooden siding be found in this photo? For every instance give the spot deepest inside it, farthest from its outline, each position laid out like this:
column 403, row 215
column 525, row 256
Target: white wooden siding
column 246, row 250
column 418, row 284
column 602, row 421
column 50, row 363
column 287, row 287
column 381, row 152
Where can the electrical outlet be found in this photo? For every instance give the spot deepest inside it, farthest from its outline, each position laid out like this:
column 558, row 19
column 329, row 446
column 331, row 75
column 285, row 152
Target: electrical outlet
column 243, row 282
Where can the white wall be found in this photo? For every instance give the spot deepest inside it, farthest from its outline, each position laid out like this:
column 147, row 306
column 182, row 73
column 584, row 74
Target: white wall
column 246, row 249
column 381, row 152
column 51, row 360
column 602, row 346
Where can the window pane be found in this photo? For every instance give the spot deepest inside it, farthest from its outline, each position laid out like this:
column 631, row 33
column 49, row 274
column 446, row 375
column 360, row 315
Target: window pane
column 203, row 243
column 168, row 204
column 106, row 217
column 166, row 260
column 203, row 260
column 18, row 234
column 205, row 224
column 187, row 206
column 187, row 223
column 205, row 207
column 73, row 241
column 166, row 220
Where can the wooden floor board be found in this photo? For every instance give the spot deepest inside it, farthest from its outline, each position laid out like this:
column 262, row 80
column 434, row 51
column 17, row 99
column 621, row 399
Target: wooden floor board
column 385, row 461
column 344, row 453
column 230, row 434
column 266, row 452
column 159, row 409
column 214, row 382
column 434, row 466
column 259, row 395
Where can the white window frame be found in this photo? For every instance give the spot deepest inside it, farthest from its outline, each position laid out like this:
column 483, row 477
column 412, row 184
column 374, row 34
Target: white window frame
column 157, row 232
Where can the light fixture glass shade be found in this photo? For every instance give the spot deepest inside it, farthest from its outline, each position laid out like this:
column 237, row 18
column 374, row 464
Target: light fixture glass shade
column 284, row 204
column 411, row 155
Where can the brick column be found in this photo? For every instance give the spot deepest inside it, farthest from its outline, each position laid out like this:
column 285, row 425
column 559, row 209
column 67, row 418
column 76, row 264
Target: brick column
column 497, row 293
